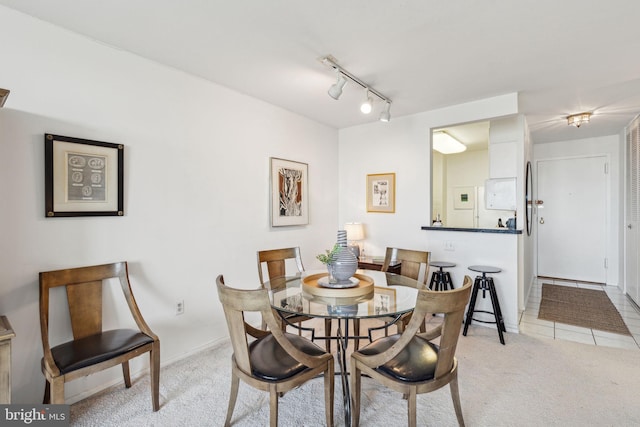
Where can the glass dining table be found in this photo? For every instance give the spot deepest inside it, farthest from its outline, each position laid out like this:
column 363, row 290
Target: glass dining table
column 377, row 295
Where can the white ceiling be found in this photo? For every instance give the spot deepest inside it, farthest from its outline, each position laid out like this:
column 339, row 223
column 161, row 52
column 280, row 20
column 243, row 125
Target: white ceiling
column 562, row 57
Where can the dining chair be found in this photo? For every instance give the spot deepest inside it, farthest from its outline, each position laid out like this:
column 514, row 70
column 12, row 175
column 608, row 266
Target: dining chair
column 270, row 360
column 275, row 262
column 413, row 264
column 410, row 362
column 92, row 349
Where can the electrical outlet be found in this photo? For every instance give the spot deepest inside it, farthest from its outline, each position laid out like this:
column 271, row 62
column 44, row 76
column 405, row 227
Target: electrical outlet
column 448, row 246
column 180, row 307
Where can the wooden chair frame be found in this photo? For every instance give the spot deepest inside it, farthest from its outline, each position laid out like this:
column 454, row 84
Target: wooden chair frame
column 415, row 265
column 84, row 294
column 235, row 303
column 275, row 259
column 411, row 263
column 451, row 304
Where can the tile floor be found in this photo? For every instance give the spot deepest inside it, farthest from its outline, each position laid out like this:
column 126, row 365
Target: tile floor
column 531, row 325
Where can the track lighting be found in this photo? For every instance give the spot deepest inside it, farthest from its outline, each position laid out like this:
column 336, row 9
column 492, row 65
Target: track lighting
column 385, row 116
column 336, row 89
column 367, row 105
column 343, row 75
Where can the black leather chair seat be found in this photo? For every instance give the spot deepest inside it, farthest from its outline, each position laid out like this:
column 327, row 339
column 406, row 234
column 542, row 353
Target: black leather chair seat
column 416, row 362
column 270, row 362
column 74, row 355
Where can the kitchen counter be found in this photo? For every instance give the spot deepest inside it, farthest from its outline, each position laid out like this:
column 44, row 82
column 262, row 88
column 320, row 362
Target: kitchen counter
column 475, row 230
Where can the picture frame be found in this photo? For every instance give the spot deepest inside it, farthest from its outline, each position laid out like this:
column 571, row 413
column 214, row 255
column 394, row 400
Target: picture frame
column 383, row 301
column 289, row 192
column 381, row 192
column 83, row 177
column 464, row 198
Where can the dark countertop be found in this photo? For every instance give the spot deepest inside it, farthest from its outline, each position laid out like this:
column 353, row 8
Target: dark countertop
column 474, row 230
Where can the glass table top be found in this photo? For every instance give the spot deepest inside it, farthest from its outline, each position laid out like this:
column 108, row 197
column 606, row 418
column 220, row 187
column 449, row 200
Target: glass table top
column 391, row 295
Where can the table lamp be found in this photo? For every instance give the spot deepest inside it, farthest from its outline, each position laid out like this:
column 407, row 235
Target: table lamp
column 355, row 234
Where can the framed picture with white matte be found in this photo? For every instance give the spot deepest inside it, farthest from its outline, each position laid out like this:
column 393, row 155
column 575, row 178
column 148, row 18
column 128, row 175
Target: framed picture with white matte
column 381, row 192
column 289, row 193
column 83, row 177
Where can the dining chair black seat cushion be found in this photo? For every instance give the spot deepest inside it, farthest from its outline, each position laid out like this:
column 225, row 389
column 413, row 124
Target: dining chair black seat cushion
column 416, row 362
column 270, row 362
column 77, row 354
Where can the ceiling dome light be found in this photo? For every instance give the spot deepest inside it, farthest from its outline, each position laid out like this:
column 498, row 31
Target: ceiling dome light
column 384, row 115
column 578, row 119
column 446, row 144
column 367, row 105
column 336, row 89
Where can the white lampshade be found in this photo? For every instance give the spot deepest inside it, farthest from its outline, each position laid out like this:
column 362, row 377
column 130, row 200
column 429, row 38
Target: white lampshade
column 355, row 231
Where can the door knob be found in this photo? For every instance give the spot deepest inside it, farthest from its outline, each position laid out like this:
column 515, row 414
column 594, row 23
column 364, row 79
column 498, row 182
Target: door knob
column 629, row 226
column 541, row 220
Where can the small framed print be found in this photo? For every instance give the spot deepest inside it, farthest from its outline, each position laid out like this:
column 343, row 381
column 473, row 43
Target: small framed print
column 381, row 192
column 289, row 194
column 82, row 177
column 464, row 197
column 383, row 302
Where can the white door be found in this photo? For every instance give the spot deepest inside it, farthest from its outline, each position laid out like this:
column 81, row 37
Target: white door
column 571, row 220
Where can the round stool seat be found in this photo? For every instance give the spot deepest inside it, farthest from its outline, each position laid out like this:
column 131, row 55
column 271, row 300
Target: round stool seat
column 440, row 279
column 485, row 269
column 441, row 264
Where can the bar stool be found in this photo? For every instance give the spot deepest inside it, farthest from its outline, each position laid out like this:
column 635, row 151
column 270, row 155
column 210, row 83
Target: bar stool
column 485, row 283
column 440, row 279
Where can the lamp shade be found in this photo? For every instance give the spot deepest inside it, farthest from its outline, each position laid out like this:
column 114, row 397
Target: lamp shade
column 355, row 231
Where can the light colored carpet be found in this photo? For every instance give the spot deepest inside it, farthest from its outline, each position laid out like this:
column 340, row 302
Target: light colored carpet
column 587, row 308
column 528, row 382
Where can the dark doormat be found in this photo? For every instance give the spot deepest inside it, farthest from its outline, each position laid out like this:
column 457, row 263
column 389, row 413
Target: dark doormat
column 580, row 307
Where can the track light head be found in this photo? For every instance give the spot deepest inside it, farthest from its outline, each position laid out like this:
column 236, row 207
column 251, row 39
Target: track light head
column 367, row 105
column 385, row 116
column 342, row 76
column 336, row 89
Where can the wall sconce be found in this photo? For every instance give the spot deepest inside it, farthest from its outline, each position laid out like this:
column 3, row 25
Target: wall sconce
column 4, row 94
column 355, row 234
column 579, row 119
column 446, row 144
column 343, row 75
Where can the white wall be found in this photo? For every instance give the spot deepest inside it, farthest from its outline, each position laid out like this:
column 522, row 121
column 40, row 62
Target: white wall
column 196, row 188
column 401, row 146
column 612, row 147
column 466, row 169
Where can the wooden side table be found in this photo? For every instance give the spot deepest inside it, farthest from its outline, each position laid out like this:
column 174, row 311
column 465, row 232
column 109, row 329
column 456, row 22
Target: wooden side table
column 371, row 263
column 6, row 333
